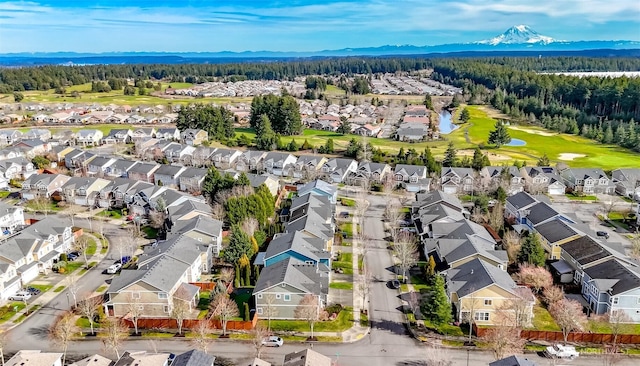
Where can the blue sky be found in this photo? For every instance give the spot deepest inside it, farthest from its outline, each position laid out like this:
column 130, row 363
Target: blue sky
column 297, row 25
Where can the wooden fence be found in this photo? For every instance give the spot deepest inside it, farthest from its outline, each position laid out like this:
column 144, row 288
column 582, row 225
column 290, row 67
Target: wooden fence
column 209, row 286
column 553, row 336
column 167, row 323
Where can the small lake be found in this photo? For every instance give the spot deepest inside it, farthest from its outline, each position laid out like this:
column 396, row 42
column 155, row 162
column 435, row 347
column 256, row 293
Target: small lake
column 516, row 142
column 445, row 125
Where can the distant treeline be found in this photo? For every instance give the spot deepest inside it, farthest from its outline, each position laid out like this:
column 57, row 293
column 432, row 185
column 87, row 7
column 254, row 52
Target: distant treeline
column 53, row 77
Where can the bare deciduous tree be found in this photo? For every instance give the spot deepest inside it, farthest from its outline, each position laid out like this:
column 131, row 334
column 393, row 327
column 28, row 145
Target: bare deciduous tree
column 62, row 331
column 309, row 310
column 250, row 225
column 89, row 308
column 568, row 315
column 135, row 309
column 504, row 339
column 406, row 250
column 635, row 245
column 42, row 204
column 3, row 343
column 535, row 277
column 258, row 334
column 218, row 212
column 496, row 216
column 223, row 308
column 516, row 311
column 114, row 332
column 511, row 243
column 478, row 216
column 81, row 244
column 620, row 323
column 201, row 335
column 179, row 312
column 73, row 287
column 364, row 285
column 552, row 294
column 270, row 309
column 226, row 275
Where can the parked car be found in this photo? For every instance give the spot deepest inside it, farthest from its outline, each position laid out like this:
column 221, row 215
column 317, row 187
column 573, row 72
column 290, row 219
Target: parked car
column 20, row 296
column 33, row 291
column 394, row 284
column 603, row 233
column 272, row 341
column 344, row 214
column 72, row 257
column 561, row 351
column 114, row 268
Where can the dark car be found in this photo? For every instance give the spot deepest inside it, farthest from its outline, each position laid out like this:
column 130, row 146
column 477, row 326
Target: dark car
column 603, row 233
column 394, row 284
column 72, row 257
column 33, row 291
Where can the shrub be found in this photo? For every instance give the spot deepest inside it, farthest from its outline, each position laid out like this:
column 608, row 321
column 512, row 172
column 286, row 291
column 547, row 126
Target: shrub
column 334, row 309
column 61, row 270
column 63, row 257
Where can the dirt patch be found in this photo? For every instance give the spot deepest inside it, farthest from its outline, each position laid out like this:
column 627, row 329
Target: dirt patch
column 535, row 132
column 492, row 156
column 570, row 156
column 494, row 113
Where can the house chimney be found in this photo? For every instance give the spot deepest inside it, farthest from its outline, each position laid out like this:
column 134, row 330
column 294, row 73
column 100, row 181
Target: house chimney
column 471, row 270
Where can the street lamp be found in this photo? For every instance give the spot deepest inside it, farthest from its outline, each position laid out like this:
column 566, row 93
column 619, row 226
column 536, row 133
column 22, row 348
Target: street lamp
column 68, row 302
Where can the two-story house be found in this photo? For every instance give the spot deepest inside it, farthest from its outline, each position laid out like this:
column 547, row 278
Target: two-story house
column 280, row 164
column 457, row 180
column 172, row 134
column 19, row 253
column 543, row 180
column 191, row 179
column 508, row 177
column 516, row 207
column 113, row 195
column 9, row 280
column 298, row 246
column 57, row 231
column 8, row 137
column 250, row 161
column 33, row 147
column 86, row 137
column 412, row 177
column 194, row 137
column 224, row 158
column 38, row 133
column 118, row 136
column 119, row 168
column 142, row 133
column 587, row 181
column 42, row 185
column 83, row 191
column 368, row 173
column 555, row 233
column 11, row 218
column 202, row 228
column 284, row 284
column 320, row 188
column 627, row 182
column 77, row 160
column 183, row 249
column 97, row 167
column 308, row 166
column 167, row 175
column 337, row 170
column 16, row 168
column 143, row 172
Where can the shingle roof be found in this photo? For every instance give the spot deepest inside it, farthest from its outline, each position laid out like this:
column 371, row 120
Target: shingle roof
column 193, row 172
column 145, row 168
column 475, row 275
column 555, row 230
column 585, row 250
column 304, row 277
column 541, row 212
column 193, row 358
column 513, row 361
column 204, row 224
column 162, row 274
column 309, row 247
column 306, row 357
column 431, row 198
column 319, row 185
column 617, row 277
column 170, row 170
column 521, row 199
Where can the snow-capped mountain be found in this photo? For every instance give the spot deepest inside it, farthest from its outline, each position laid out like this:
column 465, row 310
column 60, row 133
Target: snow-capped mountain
column 518, row 34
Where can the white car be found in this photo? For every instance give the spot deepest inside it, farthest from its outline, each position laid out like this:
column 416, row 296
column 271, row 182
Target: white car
column 561, row 351
column 272, row 341
column 20, row 296
column 114, row 268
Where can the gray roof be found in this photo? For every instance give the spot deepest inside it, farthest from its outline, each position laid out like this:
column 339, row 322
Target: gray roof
column 162, row 274
column 187, row 207
column 318, row 185
column 309, row 159
column 613, row 276
column 339, row 163
column 123, row 164
column 460, row 230
column 410, row 169
column 305, row 277
column 431, row 198
column 454, row 250
column 307, row 246
column 584, row 173
column 521, row 199
column 277, row 156
column 371, row 167
column 100, row 161
column 460, row 172
column 312, row 223
column 201, row 223
column 192, row 172
column 170, row 170
column 513, row 361
column 306, row 357
column 585, row 250
column 475, row 275
column 412, row 131
column 144, row 168
column 555, row 230
column 182, row 248
column 541, row 212
column 193, row 358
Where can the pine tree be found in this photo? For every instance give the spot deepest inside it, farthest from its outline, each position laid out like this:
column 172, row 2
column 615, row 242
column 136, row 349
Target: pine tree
column 478, row 160
column 427, row 102
column 531, row 251
column 465, row 116
column 608, row 135
column 328, row 147
column 266, row 139
column 437, row 307
column 499, row 136
column 450, row 156
column 543, row 161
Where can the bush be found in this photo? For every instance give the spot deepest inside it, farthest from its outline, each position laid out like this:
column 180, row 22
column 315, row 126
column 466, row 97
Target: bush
column 333, row 309
column 61, row 270
column 63, row 257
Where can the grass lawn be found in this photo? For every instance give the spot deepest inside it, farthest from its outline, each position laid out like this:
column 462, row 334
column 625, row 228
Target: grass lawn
column 341, row 285
column 364, row 319
column 573, row 197
column 149, row 232
column 597, row 326
column 241, row 296
column 542, row 320
column 348, row 202
column 446, row 329
column 91, row 248
column 539, row 141
column 35, row 205
column 43, row 288
column 347, row 228
column 102, row 288
column 4, row 194
column 70, row 267
column 341, row 323
column 158, row 335
column 116, row 213
column 8, row 311
column 83, row 322
column 360, row 264
column 203, row 303
column 345, row 261
column 59, row 289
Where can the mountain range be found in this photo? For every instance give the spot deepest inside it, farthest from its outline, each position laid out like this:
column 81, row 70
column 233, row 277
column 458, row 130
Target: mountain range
column 515, row 40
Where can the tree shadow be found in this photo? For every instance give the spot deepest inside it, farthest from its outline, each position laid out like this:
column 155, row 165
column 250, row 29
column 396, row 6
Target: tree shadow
column 412, row 363
column 41, row 332
column 393, row 327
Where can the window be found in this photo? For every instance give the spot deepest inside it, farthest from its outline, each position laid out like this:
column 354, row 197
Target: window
column 481, row 316
column 259, row 310
column 614, row 300
column 259, row 296
column 162, row 295
column 135, row 295
column 488, row 302
column 278, row 296
column 308, row 262
column 166, row 309
column 465, row 315
column 287, row 297
column 638, row 298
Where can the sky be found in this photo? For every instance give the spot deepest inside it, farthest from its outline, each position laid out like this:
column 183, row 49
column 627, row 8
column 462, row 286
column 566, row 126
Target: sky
column 297, row 25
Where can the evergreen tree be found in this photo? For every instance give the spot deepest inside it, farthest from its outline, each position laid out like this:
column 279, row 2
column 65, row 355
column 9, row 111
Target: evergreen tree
column 531, row 251
column 499, row 136
column 478, row 160
column 328, row 147
column 18, row 97
column 353, row 149
column 437, row 306
column 430, row 161
column 306, row 145
column 427, row 102
column 266, row 139
column 608, row 134
column 543, row 161
column 345, row 125
column 465, row 116
column 450, row 156
column 239, row 246
column 293, row 146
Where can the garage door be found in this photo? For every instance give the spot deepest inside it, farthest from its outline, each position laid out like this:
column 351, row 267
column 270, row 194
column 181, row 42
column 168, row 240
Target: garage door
column 556, row 191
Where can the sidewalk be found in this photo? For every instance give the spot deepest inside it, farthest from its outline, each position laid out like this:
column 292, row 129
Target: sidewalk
column 55, row 280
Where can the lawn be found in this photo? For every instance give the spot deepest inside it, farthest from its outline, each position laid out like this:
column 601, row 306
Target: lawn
column 341, row 285
column 343, row 322
column 599, row 326
column 241, row 296
column 574, row 197
column 539, row 141
column 116, row 214
column 59, row 289
column 42, row 288
column 347, row 202
column 102, row 288
column 446, row 329
column 71, row 267
column 203, row 303
column 4, row 194
column 345, row 261
column 91, row 248
column 37, row 206
column 149, row 232
column 542, row 320
column 347, row 229
column 8, row 311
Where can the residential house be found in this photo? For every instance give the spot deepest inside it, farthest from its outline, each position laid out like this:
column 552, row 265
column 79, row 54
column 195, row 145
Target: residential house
column 172, row 134
column 8, row 137
column 484, row 289
column 56, row 231
column 98, row 166
column 38, row 134
column 513, row 361
column 508, row 177
column 46, row 239
column 11, row 152
column 143, row 358
column 539, row 213
column 587, row 181
column 457, row 180
column 287, row 282
column 95, row 360
column 412, row 132
column 120, row 168
column 118, row 136
column 183, row 249
column 83, row 191
column 250, row 160
column 33, row 147
column 153, row 287
column 412, row 177
column 172, row 151
column 64, row 137
column 193, row 358
column 9, row 279
column 578, row 254
column 308, row 166
column 224, row 158
column 86, row 137
column 299, row 247
column 35, row 358
column 200, row 157
column 313, row 224
column 367, row 130
column 516, row 208
column 142, row 133
column 610, row 287
column 113, row 195
column 18, row 253
column 16, row 168
column 539, row 180
column 307, row 357
column 194, row 137
column 11, row 218
column 368, row 173
column 191, row 179
column 42, row 185
column 270, row 182
column 319, row 188
column 202, row 228
column 116, row 118
column 336, row 170
column 627, row 182
column 143, row 172
column 280, row 164
column 167, row 175
column 555, row 233
column 188, row 210
column 77, row 160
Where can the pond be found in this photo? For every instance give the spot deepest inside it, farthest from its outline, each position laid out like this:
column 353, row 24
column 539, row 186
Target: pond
column 445, row 125
column 516, row 142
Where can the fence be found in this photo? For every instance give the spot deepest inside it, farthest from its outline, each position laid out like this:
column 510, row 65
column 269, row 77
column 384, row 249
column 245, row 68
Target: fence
column 209, row 286
column 552, row 336
column 167, row 323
